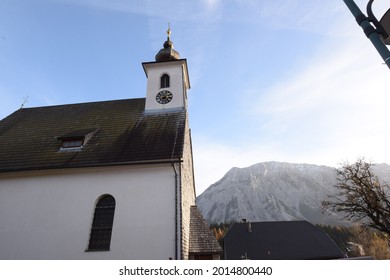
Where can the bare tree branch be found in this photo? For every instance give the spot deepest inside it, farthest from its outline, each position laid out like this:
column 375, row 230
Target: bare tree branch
column 361, row 196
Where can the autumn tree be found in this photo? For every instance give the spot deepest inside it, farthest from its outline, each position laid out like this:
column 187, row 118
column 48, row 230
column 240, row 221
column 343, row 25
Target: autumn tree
column 374, row 243
column 361, row 197
column 219, row 230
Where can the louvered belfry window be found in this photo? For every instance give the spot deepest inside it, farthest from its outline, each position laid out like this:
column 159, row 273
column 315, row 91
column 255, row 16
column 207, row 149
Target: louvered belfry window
column 164, row 81
column 100, row 237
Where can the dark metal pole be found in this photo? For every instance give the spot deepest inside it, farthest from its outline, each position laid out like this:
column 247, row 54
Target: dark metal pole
column 370, row 31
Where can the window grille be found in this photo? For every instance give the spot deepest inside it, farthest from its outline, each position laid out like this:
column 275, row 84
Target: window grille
column 100, row 237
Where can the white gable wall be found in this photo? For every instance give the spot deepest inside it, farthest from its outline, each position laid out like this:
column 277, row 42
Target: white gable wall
column 48, row 215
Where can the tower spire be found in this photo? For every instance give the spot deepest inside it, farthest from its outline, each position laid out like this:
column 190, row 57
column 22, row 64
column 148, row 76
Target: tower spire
column 167, row 53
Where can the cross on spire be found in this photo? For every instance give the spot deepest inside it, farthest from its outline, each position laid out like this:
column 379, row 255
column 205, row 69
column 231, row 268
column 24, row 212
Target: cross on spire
column 169, row 32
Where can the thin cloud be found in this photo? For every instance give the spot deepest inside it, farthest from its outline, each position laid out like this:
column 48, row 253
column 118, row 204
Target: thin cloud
column 169, row 9
column 325, row 105
column 333, row 107
column 310, row 16
column 212, row 159
column 211, row 5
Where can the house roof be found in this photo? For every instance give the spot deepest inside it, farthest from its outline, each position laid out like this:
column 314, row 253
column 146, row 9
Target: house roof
column 290, row 240
column 118, row 132
column 202, row 240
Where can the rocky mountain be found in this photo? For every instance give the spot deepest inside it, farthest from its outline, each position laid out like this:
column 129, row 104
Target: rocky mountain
column 274, row 191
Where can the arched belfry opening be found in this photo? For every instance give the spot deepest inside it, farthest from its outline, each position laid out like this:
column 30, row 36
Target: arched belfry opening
column 164, row 81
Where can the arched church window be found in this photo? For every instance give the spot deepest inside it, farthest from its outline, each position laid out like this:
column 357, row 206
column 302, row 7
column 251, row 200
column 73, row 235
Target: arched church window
column 165, row 81
column 103, row 218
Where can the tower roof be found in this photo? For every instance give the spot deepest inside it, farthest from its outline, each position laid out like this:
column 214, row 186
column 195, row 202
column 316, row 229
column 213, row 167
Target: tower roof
column 167, row 53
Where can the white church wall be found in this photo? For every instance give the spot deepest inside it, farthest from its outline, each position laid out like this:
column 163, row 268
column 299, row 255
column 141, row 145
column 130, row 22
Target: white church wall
column 48, row 215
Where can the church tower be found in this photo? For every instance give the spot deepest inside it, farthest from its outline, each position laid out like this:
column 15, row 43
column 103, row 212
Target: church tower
column 168, row 80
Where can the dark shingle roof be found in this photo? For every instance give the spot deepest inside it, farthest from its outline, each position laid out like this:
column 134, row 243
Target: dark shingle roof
column 290, row 240
column 30, row 138
column 202, row 240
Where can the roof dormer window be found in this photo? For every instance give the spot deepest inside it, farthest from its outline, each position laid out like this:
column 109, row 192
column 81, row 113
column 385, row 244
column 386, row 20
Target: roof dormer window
column 75, row 140
column 72, row 143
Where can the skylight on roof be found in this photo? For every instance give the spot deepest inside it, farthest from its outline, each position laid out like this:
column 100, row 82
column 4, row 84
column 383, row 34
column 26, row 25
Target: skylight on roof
column 72, row 143
column 75, row 140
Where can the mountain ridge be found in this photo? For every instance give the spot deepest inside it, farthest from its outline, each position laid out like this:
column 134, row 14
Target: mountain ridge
column 274, row 191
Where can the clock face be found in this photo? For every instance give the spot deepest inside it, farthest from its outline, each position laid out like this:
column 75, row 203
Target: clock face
column 164, row 97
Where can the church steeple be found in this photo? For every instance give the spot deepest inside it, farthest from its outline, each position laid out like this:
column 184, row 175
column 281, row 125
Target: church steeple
column 167, row 53
column 168, row 80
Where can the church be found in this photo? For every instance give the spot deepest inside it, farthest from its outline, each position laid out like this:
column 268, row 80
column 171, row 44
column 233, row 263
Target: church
column 105, row 180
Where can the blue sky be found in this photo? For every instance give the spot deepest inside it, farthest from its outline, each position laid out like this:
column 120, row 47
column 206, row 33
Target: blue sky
column 282, row 80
